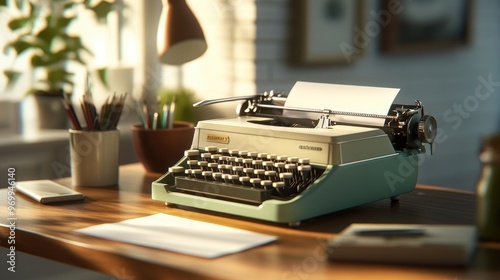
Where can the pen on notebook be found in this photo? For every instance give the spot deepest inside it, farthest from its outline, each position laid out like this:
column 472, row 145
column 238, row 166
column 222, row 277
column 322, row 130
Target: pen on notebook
column 391, row 232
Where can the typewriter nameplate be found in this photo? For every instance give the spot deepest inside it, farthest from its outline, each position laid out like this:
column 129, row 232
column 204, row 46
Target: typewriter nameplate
column 310, row 148
column 217, row 139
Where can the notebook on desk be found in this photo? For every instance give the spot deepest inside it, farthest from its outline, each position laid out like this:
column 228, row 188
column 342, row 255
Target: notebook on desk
column 405, row 243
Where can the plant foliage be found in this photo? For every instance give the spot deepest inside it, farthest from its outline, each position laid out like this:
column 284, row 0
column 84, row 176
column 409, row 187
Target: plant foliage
column 41, row 29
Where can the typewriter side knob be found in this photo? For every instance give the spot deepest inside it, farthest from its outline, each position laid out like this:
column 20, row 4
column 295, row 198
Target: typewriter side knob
column 420, row 130
column 427, row 129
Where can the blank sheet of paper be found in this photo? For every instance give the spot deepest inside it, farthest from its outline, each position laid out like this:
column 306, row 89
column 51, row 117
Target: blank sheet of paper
column 180, row 235
column 344, row 98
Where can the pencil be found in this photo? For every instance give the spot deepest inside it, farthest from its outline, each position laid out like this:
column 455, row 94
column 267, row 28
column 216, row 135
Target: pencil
column 72, row 115
column 171, row 114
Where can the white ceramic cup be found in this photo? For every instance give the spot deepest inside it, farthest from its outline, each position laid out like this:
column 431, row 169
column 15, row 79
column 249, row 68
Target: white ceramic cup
column 94, row 157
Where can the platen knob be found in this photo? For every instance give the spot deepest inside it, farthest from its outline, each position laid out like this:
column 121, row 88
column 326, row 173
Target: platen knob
column 427, row 129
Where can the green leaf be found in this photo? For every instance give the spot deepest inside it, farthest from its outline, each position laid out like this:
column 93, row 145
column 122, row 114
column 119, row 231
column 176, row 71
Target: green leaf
column 48, row 34
column 19, row 23
column 22, row 44
column 68, row 5
column 57, row 78
column 12, row 77
column 64, row 22
column 102, row 74
column 101, row 10
column 3, row 3
column 39, row 60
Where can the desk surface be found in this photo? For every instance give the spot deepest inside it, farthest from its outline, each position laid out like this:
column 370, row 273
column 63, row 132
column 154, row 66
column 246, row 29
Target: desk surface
column 48, row 231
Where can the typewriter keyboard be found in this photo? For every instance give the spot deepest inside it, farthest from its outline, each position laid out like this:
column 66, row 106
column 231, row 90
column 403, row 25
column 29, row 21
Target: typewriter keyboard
column 243, row 176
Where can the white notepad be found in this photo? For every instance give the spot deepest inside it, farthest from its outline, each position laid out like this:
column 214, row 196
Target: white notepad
column 405, row 243
column 180, row 235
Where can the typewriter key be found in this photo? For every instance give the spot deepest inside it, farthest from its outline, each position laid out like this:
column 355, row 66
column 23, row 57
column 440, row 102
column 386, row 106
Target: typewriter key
column 282, row 158
column 272, row 156
column 245, row 180
column 268, row 165
column 238, row 170
column 270, row 174
column 191, row 153
column 176, row 170
column 232, row 178
column 280, row 166
column 215, row 158
column 192, row 163
column 208, row 175
column 255, row 182
column 197, row 173
column 305, row 170
column 259, row 173
column 203, row 165
column 252, row 155
column 213, row 166
column 248, row 171
column 287, row 178
column 262, row 156
column 239, row 161
column 211, row 149
column 217, row 176
column 224, row 151
column 293, row 159
column 266, row 184
column 231, row 160
column 304, row 161
column 257, row 163
column 247, row 162
column 243, row 153
column 279, row 187
column 206, row 156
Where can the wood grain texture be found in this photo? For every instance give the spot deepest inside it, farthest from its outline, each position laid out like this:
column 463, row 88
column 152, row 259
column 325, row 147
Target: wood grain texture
column 300, row 253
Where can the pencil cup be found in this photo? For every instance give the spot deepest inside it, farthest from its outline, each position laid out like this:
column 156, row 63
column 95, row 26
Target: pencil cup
column 94, row 157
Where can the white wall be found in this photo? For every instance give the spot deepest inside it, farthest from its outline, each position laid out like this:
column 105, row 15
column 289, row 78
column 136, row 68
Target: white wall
column 248, row 48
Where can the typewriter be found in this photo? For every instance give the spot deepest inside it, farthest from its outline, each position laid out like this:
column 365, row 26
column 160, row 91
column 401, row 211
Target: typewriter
column 270, row 165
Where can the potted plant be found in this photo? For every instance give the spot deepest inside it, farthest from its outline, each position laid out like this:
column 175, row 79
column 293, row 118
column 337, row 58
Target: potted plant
column 41, row 31
column 166, row 129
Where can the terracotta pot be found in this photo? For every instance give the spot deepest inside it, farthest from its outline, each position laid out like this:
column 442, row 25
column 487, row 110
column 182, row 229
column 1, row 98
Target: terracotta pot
column 160, row 149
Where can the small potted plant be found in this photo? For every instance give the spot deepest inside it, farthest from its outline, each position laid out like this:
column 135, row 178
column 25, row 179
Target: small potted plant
column 166, row 129
column 41, row 31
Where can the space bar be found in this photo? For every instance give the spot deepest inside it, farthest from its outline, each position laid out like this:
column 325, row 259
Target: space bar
column 222, row 190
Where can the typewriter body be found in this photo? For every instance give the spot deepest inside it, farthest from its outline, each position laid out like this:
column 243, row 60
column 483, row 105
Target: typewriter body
column 268, row 166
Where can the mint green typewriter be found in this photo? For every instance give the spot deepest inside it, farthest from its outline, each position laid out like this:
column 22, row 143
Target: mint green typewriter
column 265, row 165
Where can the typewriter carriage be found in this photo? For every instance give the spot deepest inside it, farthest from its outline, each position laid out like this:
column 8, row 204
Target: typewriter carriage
column 406, row 125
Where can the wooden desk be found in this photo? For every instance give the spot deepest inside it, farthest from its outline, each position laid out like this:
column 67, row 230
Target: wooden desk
column 48, row 231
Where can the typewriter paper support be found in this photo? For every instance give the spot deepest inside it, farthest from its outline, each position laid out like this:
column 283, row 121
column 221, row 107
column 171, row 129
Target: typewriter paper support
column 350, row 159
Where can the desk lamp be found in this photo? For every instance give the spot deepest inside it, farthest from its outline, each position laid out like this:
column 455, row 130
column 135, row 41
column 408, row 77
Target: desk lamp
column 180, row 38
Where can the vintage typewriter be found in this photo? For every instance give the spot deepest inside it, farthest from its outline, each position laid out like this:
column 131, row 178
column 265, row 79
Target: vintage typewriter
column 267, row 165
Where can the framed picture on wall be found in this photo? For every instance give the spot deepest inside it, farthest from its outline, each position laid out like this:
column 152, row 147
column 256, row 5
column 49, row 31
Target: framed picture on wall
column 323, row 31
column 422, row 25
